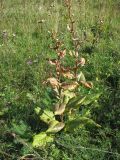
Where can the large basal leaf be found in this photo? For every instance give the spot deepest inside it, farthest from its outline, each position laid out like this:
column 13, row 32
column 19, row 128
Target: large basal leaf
column 41, row 139
column 55, row 127
column 79, row 122
column 45, row 115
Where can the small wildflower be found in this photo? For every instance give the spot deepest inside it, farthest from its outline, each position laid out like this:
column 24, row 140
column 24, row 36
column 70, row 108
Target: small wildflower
column 41, row 21
column 40, row 8
column 29, row 62
column 14, row 35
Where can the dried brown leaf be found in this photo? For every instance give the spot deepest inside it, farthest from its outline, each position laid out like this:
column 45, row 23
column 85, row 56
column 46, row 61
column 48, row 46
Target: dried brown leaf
column 53, row 61
column 68, row 75
column 87, row 84
column 53, row 82
column 81, row 61
column 69, row 86
column 62, row 54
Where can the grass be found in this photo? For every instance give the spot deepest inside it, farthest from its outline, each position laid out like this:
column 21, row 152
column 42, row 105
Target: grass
column 24, row 41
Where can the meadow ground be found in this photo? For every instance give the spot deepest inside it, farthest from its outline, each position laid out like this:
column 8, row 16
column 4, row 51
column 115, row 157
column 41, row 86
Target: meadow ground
column 25, row 28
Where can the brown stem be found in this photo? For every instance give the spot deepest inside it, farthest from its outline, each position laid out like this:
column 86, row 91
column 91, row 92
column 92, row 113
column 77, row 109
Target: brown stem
column 72, row 31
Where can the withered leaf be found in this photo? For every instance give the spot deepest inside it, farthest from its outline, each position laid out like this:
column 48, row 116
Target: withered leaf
column 56, row 107
column 82, row 61
column 65, row 69
column 60, row 110
column 68, row 75
column 62, row 54
column 69, row 86
column 87, row 84
column 76, row 54
column 55, row 127
column 53, row 82
column 81, row 77
column 52, row 61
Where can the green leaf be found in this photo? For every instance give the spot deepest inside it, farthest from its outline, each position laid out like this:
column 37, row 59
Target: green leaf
column 45, row 115
column 82, row 100
column 55, row 127
column 20, row 128
column 37, row 110
column 75, row 102
column 41, row 139
column 3, row 111
column 79, row 122
column 31, row 97
column 67, row 95
column 91, row 98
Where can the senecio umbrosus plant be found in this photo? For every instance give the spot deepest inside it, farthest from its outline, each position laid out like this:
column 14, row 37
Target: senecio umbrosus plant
column 64, row 116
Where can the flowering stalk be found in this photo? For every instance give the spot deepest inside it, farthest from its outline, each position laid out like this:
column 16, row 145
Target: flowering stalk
column 71, row 29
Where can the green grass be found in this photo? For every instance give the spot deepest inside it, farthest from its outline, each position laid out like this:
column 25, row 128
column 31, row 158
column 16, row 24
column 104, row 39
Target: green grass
column 24, row 46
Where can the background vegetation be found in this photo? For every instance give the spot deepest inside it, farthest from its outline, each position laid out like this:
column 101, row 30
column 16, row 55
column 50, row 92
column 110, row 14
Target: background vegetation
column 24, row 46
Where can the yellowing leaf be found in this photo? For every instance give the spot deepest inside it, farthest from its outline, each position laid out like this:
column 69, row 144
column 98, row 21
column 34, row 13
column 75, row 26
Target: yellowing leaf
column 70, row 53
column 60, row 110
column 81, row 77
column 55, row 89
column 55, row 127
column 76, row 54
column 41, row 139
column 46, row 115
column 56, row 107
column 67, row 95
